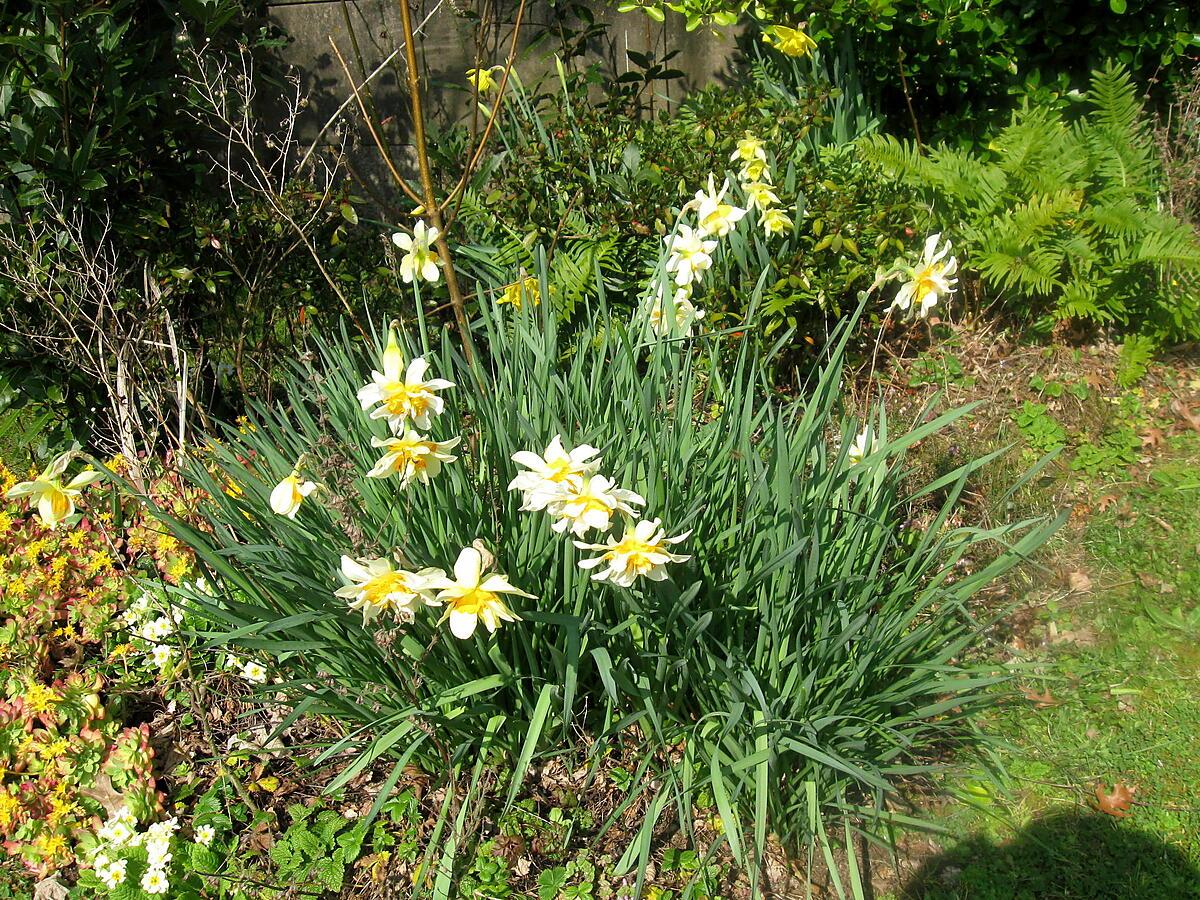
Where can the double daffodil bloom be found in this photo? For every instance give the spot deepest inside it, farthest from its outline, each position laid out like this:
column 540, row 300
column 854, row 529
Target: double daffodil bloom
column 690, row 255
column 713, row 214
column 473, row 596
column 483, row 80
column 54, row 500
column 591, row 504
column 760, row 195
column 749, row 149
column 412, row 457
column 420, row 259
column 775, row 221
column 789, row 41
column 550, row 473
column 376, row 587
column 686, row 314
column 521, row 290
column 931, row 279
column 861, row 447
column 640, row 553
column 290, row 493
column 402, row 395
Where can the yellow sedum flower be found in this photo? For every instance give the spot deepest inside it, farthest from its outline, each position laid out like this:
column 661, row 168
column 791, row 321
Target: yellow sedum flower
column 412, row 457
column 473, row 596
column 789, row 41
column 402, row 395
column 640, row 553
column 483, row 80
column 55, row 501
column 419, row 259
column 775, row 221
column 931, row 279
column 521, row 290
column 376, row 587
column 591, row 505
column 290, row 493
column 552, row 472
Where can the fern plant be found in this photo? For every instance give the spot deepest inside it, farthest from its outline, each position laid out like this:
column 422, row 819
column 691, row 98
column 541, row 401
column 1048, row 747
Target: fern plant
column 1061, row 218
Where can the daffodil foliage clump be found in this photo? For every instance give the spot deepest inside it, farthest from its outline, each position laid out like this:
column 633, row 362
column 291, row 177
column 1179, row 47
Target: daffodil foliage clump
column 619, row 535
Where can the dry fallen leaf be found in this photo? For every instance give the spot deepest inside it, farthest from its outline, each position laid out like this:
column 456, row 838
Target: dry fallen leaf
column 1043, row 700
column 1105, row 501
column 1079, row 582
column 1118, row 802
column 50, row 889
column 1152, row 437
column 1184, row 412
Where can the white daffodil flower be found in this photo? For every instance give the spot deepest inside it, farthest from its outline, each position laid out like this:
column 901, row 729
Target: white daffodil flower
column 861, row 447
column 713, row 214
column 412, row 457
column 931, row 279
column 549, row 474
column 419, row 260
column 690, row 255
column 287, row 496
column 591, row 504
column 473, row 596
column 685, row 316
column 376, row 587
column 775, row 221
column 760, row 195
column 640, row 553
column 402, row 394
column 54, row 500
column 748, row 150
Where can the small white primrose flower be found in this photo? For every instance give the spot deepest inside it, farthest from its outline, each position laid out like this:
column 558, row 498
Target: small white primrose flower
column 551, row 472
column 155, row 881
column 861, row 447
column 375, row 587
column 713, row 214
column 775, row 221
column 402, row 394
column 205, row 834
column 157, row 629
column 760, row 195
column 419, row 259
column 161, row 655
column 591, row 504
column 290, row 493
column 412, row 457
column 54, row 500
column 685, row 314
column 164, row 829
column 158, row 852
column 115, row 832
column 640, row 553
column 749, row 149
column 690, row 255
column 254, row 672
column 111, row 873
column 473, row 596
column 931, row 279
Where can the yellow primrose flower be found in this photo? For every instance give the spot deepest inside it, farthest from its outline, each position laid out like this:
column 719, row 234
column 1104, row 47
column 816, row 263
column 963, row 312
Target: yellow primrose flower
column 402, row 394
column 689, row 255
column 789, row 41
column 715, row 216
column 419, row 259
column 551, row 472
column 55, row 501
column 755, row 170
column 685, row 314
column 290, row 493
column 749, row 149
column 775, row 221
column 376, row 587
column 639, row 553
column 412, row 457
column 473, row 596
column 483, row 80
column 932, row 278
column 520, row 290
column 591, row 505
column 760, row 195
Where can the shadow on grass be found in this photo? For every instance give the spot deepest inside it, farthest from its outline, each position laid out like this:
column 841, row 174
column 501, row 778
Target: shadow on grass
column 1066, row 856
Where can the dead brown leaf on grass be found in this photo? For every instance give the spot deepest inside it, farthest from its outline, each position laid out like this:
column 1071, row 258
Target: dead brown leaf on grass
column 1044, row 700
column 1079, row 582
column 1117, row 802
column 1185, row 413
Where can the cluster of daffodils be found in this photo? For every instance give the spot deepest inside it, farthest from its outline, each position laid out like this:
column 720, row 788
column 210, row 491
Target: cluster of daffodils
column 926, row 283
column 151, row 628
column 54, row 497
column 121, row 846
column 419, row 259
column 567, row 485
column 755, row 177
